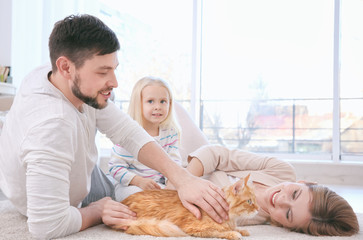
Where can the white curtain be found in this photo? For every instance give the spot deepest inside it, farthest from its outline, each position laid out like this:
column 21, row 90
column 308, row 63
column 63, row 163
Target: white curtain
column 32, row 23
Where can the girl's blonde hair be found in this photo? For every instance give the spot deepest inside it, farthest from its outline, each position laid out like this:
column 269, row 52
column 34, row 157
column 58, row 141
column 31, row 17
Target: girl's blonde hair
column 135, row 106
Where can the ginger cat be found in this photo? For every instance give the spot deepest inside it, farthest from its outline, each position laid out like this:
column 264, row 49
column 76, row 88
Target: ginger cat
column 161, row 213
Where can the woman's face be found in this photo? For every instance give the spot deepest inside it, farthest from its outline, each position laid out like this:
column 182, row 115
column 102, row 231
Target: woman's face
column 288, row 204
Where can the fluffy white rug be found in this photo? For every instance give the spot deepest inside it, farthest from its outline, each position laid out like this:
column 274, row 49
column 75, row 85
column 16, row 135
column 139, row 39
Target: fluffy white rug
column 13, row 226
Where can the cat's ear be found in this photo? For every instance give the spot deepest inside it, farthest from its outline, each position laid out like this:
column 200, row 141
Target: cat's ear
column 240, row 184
column 237, row 187
column 246, row 178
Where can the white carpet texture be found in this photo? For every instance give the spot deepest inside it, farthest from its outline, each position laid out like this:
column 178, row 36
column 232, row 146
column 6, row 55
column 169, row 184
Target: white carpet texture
column 13, row 226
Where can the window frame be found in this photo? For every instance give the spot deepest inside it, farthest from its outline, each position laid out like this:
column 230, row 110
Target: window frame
column 197, row 101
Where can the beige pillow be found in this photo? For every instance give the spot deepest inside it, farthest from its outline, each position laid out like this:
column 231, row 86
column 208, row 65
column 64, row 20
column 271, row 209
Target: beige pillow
column 192, row 137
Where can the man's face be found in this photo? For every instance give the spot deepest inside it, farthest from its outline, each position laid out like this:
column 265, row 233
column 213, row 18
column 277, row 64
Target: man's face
column 94, row 81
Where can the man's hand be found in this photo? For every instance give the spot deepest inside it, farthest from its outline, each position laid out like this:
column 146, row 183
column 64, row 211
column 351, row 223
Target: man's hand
column 203, row 193
column 117, row 215
column 144, row 183
column 108, row 211
column 192, row 190
column 169, row 186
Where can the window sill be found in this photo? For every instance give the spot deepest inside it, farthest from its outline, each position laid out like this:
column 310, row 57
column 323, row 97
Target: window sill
column 327, row 172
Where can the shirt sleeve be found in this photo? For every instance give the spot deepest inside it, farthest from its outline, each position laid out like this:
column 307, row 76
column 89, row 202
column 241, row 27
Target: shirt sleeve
column 119, row 164
column 238, row 163
column 121, row 129
column 48, row 166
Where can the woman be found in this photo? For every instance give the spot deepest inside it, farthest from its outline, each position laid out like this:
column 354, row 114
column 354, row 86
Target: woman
column 299, row 206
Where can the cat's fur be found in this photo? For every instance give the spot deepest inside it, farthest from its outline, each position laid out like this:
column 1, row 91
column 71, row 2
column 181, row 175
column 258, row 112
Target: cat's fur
column 161, row 213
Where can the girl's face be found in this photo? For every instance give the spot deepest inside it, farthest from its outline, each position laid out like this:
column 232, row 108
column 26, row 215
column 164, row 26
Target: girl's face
column 155, row 102
column 288, row 204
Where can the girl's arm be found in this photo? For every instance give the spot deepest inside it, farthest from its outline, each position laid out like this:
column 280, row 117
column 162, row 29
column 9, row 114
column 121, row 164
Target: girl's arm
column 119, row 164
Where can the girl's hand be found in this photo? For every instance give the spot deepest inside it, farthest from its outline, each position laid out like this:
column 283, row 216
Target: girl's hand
column 144, row 183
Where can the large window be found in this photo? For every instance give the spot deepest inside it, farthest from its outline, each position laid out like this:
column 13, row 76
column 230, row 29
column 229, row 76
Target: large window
column 282, row 77
column 268, row 76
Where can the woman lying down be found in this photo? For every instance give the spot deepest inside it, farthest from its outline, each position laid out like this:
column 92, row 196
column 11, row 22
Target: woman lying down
column 299, row 206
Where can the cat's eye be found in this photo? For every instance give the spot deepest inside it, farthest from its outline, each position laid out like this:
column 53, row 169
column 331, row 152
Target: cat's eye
column 249, row 201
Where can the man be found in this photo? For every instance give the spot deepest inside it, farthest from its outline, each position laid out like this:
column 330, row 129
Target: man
column 47, row 146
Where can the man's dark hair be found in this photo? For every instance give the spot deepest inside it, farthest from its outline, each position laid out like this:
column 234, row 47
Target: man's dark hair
column 79, row 37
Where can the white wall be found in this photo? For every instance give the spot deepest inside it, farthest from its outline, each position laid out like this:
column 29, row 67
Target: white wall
column 32, row 23
column 324, row 172
column 5, row 32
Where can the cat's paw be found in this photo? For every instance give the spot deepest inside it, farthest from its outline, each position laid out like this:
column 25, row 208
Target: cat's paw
column 234, row 236
column 243, row 231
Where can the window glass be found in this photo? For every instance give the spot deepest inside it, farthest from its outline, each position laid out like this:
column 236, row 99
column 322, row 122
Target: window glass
column 156, row 39
column 351, row 79
column 267, row 74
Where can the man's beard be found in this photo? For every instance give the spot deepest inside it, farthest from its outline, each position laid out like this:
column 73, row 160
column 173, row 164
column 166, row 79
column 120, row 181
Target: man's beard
column 91, row 101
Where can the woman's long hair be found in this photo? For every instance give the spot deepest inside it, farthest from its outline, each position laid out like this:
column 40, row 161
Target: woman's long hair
column 331, row 214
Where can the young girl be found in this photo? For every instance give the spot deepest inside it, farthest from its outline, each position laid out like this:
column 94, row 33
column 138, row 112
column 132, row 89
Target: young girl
column 151, row 105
